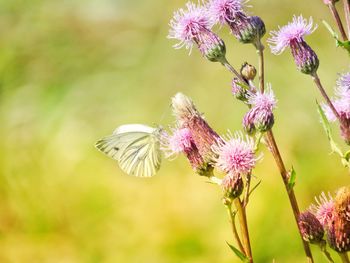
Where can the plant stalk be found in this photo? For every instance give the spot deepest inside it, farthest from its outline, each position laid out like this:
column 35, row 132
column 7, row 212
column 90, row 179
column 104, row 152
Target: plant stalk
column 272, row 145
column 234, row 229
column 244, row 228
column 291, row 195
column 318, row 83
column 337, row 19
column 347, row 14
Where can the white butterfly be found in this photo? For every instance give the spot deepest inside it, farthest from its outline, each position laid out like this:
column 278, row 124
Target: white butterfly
column 136, row 147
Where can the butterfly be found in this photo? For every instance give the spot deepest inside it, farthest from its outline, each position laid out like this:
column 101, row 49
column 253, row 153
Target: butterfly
column 136, row 148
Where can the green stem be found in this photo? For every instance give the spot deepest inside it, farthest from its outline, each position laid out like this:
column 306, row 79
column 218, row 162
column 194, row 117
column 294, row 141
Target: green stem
column 234, row 229
column 260, row 51
column 244, row 228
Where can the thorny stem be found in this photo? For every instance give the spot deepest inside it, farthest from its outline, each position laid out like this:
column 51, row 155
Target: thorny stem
column 272, row 145
column 323, row 247
column 347, row 14
column 244, row 228
column 325, row 96
column 344, row 257
column 337, row 19
column 234, row 229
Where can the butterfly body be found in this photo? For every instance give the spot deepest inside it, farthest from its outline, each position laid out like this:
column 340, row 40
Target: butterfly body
column 135, row 147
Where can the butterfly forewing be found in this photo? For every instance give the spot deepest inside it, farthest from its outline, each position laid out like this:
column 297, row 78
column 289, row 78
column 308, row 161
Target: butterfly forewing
column 136, row 147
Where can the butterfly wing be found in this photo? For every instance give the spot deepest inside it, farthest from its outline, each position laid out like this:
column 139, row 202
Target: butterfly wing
column 136, row 148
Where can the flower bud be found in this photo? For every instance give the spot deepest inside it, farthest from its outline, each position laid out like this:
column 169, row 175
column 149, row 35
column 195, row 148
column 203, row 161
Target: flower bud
column 248, row 123
column 264, row 120
column 211, row 46
column 305, row 58
column 310, row 228
column 248, row 71
column 248, row 29
column 188, row 116
column 238, row 91
column 232, row 186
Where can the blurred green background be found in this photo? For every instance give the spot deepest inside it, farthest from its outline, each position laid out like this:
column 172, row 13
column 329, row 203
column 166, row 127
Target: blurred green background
column 72, row 71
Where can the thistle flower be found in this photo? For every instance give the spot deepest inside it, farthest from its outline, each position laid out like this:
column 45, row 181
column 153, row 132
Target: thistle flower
column 232, row 186
column 225, row 11
column 188, row 116
column 338, row 232
column 235, row 155
column 292, row 35
column 324, row 209
column 328, row 2
column 310, row 228
column 343, row 86
column 193, row 26
column 247, row 29
column 260, row 116
column 181, row 141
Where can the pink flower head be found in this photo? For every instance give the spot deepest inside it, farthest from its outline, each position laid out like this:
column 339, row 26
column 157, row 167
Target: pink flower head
column 342, row 106
column 260, row 116
column 180, row 141
column 324, row 210
column 343, row 86
column 263, row 101
column 293, row 32
column 224, row 11
column 235, row 155
column 187, row 25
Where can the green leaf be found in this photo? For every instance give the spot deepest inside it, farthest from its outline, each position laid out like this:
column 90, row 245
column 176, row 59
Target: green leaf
column 292, row 179
column 327, row 128
column 347, row 156
column 339, row 43
column 238, row 253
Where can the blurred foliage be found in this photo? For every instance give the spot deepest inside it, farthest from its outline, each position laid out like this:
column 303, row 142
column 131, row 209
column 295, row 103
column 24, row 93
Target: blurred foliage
column 71, row 71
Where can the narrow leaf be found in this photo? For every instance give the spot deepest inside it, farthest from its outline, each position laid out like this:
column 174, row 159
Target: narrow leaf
column 327, row 128
column 238, row 253
column 292, row 179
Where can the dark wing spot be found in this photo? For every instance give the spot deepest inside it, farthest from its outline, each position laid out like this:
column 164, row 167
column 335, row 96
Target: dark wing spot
column 116, row 148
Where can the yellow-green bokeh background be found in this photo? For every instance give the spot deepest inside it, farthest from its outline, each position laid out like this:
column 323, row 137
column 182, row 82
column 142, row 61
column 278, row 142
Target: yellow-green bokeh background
column 71, row 71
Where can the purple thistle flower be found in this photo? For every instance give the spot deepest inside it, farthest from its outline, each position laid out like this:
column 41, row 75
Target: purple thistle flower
column 225, row 11
column 343, row 86
column 193, row 26
column 181, row 141
column 232, row 186
column 341, row 105
column 260, row 116
column 247, row 29
column 292, row 35
column 189, row 117
column 310, row 228
column 324, row 209
column 338, row 231
column 235, row 155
